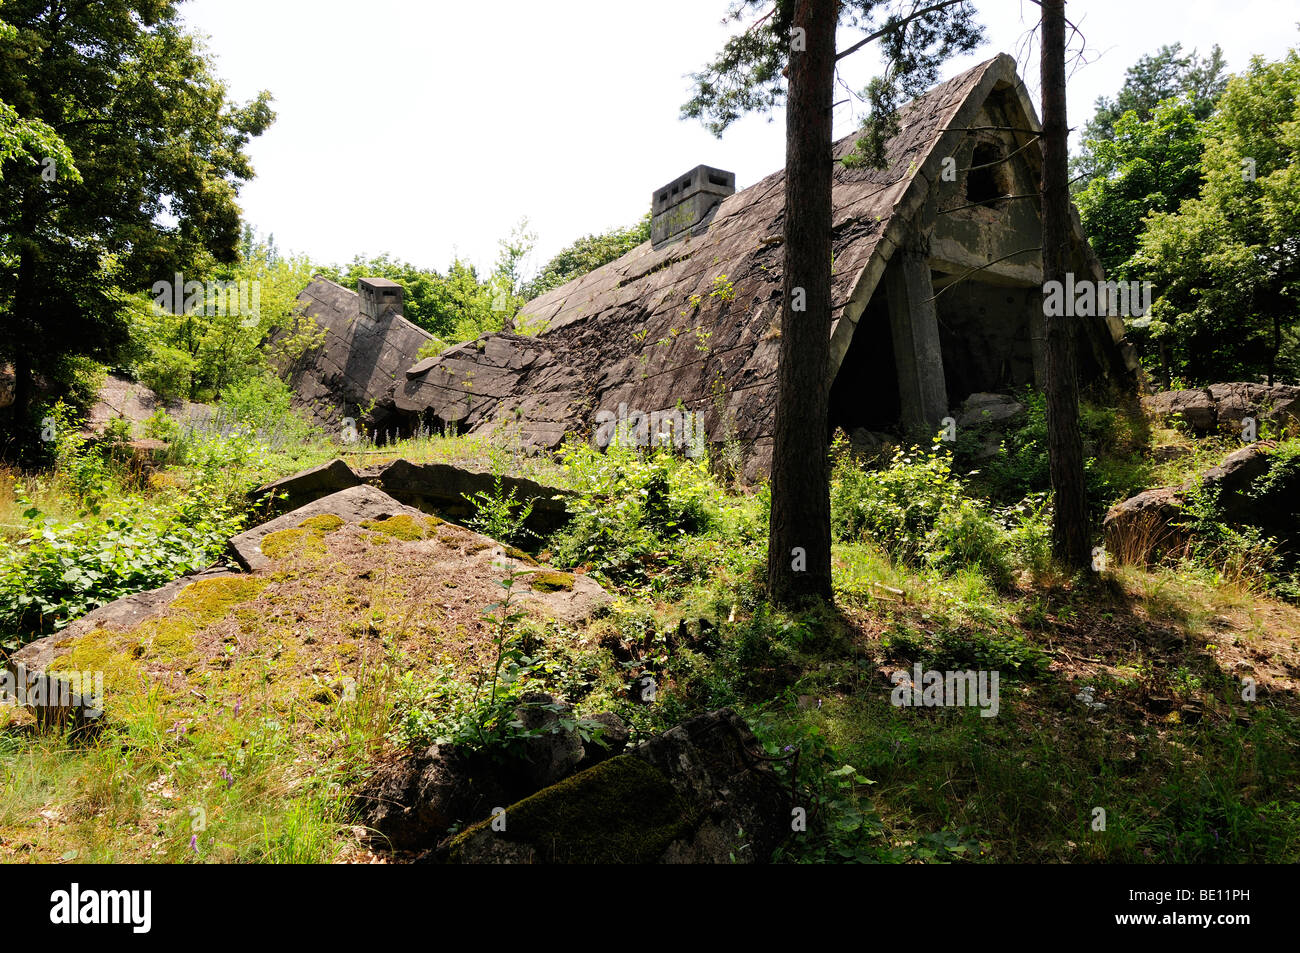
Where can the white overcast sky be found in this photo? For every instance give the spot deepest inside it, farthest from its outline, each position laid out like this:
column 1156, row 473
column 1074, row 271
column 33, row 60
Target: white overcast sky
column 427, row 128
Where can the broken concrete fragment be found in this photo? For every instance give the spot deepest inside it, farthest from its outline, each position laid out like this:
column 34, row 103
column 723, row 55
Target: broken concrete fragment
column 1145, row 526
column 366, row 348
column 553, row 752
column 1277, row 403
column 312, row 484
column 1221, row 408
column 120, row 397
column 124, row 613
column 448, row 489
column 411, row 800
column 696, row 794
column 1194, row 407
column 988, row 410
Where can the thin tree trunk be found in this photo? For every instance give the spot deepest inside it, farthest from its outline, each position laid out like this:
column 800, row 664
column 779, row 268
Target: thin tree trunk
column 1276, row 348
column 799, row 539
column 23, row 388
column 1070, row 539
column 24, row 374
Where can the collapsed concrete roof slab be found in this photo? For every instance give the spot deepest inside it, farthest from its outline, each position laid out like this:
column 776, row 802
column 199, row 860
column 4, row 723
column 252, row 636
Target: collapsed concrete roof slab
column 363, row 356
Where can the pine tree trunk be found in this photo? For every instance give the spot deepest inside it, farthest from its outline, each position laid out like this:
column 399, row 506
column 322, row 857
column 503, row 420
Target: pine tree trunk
column 24, row 377
column 799, row 538
column 1070, row 538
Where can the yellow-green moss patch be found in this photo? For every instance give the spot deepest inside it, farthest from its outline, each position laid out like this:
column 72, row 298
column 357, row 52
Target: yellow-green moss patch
column 167, row 638
column 212, row 599
column 433, row 522
column 402, row 526
column 551, row 581
column 101, row 650
column 293, row 542
column 325, row 522
column 119, row 655
column 514, row 552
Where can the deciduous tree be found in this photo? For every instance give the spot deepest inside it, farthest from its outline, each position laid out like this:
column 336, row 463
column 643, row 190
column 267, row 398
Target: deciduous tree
column 160, row 155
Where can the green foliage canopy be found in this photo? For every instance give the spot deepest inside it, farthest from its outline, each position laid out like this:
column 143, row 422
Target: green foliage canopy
column 1226, row 265
column 159, row 154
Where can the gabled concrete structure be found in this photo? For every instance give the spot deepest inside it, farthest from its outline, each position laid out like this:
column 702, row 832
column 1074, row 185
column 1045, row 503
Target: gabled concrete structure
column 937, row 294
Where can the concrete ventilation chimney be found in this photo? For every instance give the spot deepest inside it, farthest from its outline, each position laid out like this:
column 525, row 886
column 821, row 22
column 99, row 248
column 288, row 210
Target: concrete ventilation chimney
column 379, row 295
column 687, row 203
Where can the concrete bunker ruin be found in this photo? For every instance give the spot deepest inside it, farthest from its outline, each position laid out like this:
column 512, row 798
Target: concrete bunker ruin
column 936, row 294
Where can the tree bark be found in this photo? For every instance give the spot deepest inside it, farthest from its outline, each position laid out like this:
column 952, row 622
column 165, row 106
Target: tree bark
column 24, row 377
column 1070, row 538
column 799, row 535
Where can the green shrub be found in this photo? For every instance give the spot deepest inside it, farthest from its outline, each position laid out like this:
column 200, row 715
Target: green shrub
column 917, row 511
column 498, row 515
column 61, row 570
column 896, row 507
column 77, row 460
column 1029, row 532
column 1114, row 466
column 630, row 505
column 964, row 534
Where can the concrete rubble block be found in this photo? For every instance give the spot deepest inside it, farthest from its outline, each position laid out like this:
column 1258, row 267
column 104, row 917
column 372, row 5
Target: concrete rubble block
column 685, row 796
column 1141, row 528
column 553, row 753
column 988, row 410
column 1278, row 403
column 1223, row 407
column 1145, row 526
column 448, row 489
column 124, row 613
column 310, row 484
column 411, row 801
column 1196, row 408
column 1234, row 479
